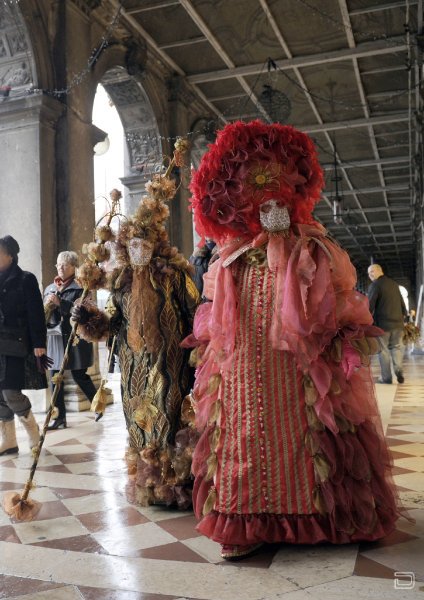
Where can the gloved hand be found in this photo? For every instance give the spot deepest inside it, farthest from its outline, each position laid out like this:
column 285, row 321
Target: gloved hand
column 80, row 314
column 44, row 363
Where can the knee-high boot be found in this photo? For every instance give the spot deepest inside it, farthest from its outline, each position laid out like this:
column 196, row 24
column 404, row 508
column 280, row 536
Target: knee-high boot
column 8, row 443
column 32, row 430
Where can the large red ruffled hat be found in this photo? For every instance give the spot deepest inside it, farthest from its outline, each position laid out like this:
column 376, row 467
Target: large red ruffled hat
column 248, row 164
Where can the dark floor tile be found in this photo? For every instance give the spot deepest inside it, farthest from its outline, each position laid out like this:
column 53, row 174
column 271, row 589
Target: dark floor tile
column 70, row 493
column 8, row 485
column 109, row 519
column 365, row 567
column 393, row 431
column 71, row 442
column 55, row 469
column 8, row 534
column 397, row 455
column 395, row 442
column 175, row 551
column 9, row 464
column 77, row 458
column 90, row 593
column 10, row 587
column 396, row 537
column 400, row 470
column 183, row 528
column 79, row 543
column 52, row 510
column 261, row 559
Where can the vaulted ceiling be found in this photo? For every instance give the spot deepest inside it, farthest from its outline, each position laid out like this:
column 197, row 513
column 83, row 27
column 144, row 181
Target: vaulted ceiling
column 345, row 71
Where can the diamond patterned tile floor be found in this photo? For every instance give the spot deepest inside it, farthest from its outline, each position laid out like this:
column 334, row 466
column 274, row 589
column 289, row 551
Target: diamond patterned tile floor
column 88, row 543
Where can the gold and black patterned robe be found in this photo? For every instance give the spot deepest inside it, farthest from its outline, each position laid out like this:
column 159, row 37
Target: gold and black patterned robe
column 155, row 378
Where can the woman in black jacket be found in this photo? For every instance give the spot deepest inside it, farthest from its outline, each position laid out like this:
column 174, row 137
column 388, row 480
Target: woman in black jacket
column 59, row 298
column 22, row 331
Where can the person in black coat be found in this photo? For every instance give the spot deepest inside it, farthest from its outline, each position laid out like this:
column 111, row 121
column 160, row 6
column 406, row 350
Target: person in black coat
column 389, row 312
column 200, row 259
column 22, row 332
column 59, row 298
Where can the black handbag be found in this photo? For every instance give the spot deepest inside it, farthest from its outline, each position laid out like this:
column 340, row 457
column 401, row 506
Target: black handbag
column 13, row 342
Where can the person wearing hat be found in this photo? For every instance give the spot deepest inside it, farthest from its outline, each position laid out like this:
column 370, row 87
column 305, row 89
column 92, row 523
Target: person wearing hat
column 22, row 332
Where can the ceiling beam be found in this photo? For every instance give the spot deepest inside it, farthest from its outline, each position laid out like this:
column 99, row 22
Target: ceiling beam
column 134, row 24
column 374, row 224
column 151, row 6
column 377, row 48
column 378, row 70
column 321, row 210
column 358, row 164
column 390, row 117
column 180, row 43
column 380, row 7
column 213, row 41
column 374, row 190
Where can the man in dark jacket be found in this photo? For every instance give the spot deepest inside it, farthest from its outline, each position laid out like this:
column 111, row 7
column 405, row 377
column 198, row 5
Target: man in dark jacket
column 388, row 309
column 22, row 331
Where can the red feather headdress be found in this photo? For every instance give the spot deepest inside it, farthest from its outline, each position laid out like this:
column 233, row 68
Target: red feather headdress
column 248, row 164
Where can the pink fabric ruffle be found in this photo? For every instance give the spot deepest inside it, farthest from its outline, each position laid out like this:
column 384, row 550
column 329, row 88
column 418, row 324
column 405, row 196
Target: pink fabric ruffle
column 292, row 529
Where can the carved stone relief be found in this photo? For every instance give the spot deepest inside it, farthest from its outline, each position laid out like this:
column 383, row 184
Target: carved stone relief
column 138, row 120
column 16, row 70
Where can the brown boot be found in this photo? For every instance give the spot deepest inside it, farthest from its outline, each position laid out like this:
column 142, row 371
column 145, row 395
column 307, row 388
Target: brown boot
column 32, row 430
column 8, row 443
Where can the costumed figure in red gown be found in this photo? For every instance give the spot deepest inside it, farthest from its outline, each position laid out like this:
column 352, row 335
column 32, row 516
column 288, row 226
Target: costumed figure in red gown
column 292, row 447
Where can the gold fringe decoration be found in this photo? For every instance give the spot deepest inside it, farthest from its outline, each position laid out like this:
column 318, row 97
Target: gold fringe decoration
column 322, row 468
column 214, row 383
column 344, row 424
column 210, row 501
column 318, row 500
column 311, row 444
column 313, row 421
column 195, row 359
column 311, row 393
column 215, row 412
column 212, row 464
column 187, row 411
column 214, row 438
column 335, row 388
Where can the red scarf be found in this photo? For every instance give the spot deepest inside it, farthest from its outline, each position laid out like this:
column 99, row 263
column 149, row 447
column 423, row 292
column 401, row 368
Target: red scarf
column 62, row 284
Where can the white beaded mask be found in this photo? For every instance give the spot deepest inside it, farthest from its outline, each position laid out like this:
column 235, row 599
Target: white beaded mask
column 273, row 217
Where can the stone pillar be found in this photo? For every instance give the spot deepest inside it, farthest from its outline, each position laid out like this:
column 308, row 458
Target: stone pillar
column 181, row 224
column 27, row 188
column 27, row 180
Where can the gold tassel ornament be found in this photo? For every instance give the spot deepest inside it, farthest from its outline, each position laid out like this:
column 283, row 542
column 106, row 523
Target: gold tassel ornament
column 212, row 464
column 99, row 402
column 210, row 501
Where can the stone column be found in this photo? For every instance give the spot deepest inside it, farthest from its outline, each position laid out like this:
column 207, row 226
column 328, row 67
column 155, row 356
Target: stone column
column 181, row 224
column 27, row 187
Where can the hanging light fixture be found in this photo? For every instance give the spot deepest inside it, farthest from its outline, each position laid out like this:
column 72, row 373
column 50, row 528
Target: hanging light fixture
column 276, row 104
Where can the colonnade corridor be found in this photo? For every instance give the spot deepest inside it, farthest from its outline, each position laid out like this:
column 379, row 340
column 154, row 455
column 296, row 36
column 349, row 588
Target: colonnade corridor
column 88, row 542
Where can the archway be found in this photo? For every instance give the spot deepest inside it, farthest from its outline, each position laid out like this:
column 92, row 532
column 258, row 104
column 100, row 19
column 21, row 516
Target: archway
column 143, row 148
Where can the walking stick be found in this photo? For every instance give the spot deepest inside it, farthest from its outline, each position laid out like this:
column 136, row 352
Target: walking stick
column 19, row 506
